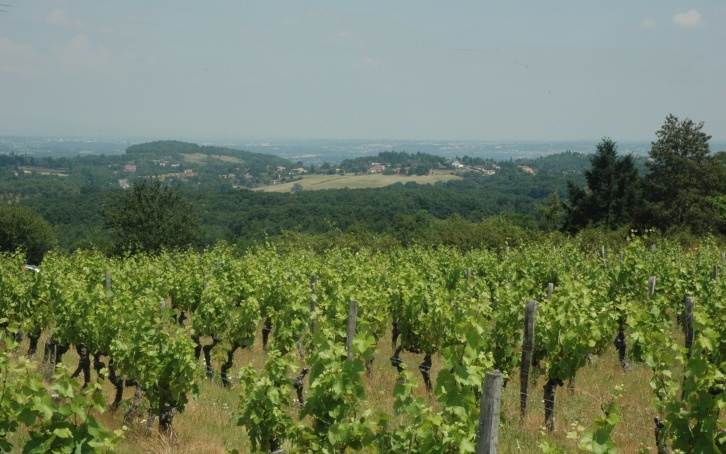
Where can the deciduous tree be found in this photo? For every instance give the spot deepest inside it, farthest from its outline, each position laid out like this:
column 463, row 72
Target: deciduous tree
column 21, row 228
column 149, row 217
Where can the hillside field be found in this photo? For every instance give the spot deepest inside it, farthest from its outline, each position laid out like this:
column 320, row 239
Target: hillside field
column 355, row 181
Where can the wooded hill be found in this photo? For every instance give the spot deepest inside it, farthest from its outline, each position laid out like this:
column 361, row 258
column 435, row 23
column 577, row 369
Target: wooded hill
column 214, row 180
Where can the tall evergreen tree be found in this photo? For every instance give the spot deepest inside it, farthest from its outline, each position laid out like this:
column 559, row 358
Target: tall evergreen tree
column 609, row 199
column 683, row 179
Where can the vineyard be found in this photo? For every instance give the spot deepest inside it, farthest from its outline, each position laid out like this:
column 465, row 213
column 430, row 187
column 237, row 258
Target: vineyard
column 362, row 351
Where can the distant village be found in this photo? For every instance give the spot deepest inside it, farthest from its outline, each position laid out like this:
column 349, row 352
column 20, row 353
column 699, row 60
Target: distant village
column 281, row 174
column 284, row 175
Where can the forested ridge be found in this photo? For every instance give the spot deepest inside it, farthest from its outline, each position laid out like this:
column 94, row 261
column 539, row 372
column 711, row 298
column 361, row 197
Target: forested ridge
column 74, row 203
column 679, row 189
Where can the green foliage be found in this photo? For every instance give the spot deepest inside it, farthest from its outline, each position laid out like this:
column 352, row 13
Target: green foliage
column 336, row 400
column 23, row 229
column 600, row 440
column 158, row 354
column 683, row 179
column 495, row 233
column 551, row 214
column 56, row 419
column 611, row 195
column 465, row 305
column 264, row 400
column 151, row 217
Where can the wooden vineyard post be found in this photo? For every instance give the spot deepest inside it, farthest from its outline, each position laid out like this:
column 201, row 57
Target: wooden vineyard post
column 489, row 409
column 352, row 314
column 550, row 289
column 527, row 351
column 108, row 280
column 715, row 272
column 313, row 283
column 689, row 334
column 651, row 286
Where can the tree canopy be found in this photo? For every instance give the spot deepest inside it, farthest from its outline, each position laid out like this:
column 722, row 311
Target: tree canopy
column 150, row 217
column 610, row 195
column 21, row 228
column 683, row 180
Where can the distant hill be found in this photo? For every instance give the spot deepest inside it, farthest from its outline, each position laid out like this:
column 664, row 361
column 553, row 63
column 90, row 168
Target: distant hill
column 208, row 164
column 397, row 162
column 174, row 149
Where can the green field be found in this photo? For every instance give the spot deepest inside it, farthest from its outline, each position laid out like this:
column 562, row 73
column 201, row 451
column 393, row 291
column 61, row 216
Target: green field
column 354, row 181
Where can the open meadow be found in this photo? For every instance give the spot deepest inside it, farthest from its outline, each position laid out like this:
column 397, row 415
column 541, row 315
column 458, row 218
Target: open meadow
column 358, row 181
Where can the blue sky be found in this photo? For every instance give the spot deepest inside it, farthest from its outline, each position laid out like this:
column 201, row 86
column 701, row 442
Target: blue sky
column 465, row 70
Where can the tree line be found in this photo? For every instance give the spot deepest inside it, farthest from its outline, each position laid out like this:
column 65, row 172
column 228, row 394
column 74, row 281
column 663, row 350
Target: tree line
column 681, row 188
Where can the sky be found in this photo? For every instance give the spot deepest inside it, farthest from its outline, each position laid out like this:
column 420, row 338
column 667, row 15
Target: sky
column 409, row 70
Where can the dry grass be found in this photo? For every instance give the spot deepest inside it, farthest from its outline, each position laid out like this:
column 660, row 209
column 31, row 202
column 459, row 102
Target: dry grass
column 196, row 158
column 201, row 158
column 208, row 424
column 596, row 384
column 351, row 181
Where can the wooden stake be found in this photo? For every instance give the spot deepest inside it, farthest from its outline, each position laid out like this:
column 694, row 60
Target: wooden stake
column 651, row 286
column 527, row 352
column 489, row 409
column 313, row 282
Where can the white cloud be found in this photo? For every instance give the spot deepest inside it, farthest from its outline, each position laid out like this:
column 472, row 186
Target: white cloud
column 58, row 17
column 19, row 59
column 82, row 57
column 367, row 62
column 648, row 22
column 689, row 19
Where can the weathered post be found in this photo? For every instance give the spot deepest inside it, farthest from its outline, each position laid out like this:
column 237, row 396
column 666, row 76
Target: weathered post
column 489, row 409
column 527, row 352
column 651, row 286
column 313, row 283
column 689, row 334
